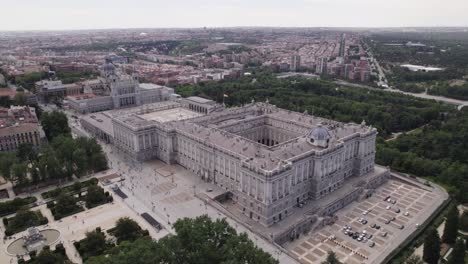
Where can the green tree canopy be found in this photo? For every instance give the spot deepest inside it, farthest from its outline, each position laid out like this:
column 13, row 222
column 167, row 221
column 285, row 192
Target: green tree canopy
column 414, row 259
column 95, row 196
column 65, row 203
column 55, row 123
column 47, row 257
column 464, row 221
column 451, row 226
column 458, row 253
column 94, row 244
column 197, row 241
column 127, row 229
column 331, row 259
column 431, row 251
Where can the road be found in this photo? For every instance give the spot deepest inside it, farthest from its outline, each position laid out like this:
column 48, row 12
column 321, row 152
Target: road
column 384, row 83
column 459, row 103
column 382, row 78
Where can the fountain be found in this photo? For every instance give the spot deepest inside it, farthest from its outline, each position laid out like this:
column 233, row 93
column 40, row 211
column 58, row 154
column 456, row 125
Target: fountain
column 33, row 240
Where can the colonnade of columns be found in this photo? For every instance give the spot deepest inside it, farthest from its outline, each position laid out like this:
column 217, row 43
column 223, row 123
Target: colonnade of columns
column 198, row 109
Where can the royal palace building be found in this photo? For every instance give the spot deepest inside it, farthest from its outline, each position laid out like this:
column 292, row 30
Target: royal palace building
column 268, row 160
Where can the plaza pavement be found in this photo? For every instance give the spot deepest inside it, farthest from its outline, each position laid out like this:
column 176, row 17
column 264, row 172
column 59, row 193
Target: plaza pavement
column 73, row 228
column 170, row 192
column 420, row 203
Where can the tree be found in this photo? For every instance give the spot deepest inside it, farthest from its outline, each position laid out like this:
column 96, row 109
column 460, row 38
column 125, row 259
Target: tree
column 20, row 171
column 95, row 196
column 79, row 160
column 464, row 221
column 65, row 147
column 127, row 229
column 331, row 258
column 55, row 124
column 46, row 257
column 20, row 98
column 65, row 204
column 35, row 173
column 7, row 160
column 197, row 241
column 49, row 166
column 142, row 251
column 458, row 253
column 414, row 259
column 451, row 226
column 23, row 219
column 94, row 244
column 431, row 251
column 26, row 152
column 77, row 187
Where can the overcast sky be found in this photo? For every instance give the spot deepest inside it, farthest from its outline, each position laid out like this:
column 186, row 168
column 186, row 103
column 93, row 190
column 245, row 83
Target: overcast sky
column 91, row 14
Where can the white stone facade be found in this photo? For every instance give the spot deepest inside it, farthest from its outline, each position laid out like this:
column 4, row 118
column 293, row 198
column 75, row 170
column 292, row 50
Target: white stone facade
column 269, row 160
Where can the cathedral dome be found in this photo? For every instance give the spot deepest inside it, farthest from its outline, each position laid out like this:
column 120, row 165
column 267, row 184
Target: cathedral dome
column 319, row 133
column 108, row 67
column 319, row 136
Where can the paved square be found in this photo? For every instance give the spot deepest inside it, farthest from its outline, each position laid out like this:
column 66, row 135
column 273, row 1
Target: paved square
column 414, row 205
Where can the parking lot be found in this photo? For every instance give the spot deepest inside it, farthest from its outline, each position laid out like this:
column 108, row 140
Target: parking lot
column 368, row 230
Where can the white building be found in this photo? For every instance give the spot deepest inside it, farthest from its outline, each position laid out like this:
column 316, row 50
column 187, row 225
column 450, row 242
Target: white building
column 268, row 160
column 114, row 91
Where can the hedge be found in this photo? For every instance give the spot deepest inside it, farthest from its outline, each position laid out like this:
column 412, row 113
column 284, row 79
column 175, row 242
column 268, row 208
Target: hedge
column 10, row 207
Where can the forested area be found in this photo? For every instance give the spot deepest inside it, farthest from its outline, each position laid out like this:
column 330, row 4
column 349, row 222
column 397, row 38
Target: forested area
column 454, row 91
column 448, row 50
column 198, row 240
column 388, row 112
column 437, row 151
column 28, row 80
column 61, row 159
column 445, row 49
column 401, row 76
column 73, row 76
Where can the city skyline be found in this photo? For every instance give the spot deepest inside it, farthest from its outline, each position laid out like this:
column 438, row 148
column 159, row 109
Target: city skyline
column 63, row 15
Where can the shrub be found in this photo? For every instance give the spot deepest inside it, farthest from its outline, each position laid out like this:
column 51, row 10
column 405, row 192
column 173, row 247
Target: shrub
column 50, row 204
column 95, row 196
column 60, row 249
column 10, row 207
column 24, row 219
column 33, row 253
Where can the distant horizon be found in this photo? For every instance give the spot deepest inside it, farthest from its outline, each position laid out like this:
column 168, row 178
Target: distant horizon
column 238, row 27
column 59, row 15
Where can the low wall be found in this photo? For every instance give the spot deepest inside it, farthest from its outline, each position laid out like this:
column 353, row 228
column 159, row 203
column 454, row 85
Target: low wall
column 416, row 233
